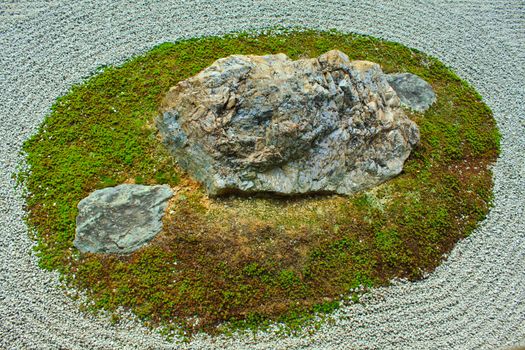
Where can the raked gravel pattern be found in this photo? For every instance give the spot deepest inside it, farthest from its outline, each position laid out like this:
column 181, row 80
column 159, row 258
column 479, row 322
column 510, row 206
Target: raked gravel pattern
column 474, row 300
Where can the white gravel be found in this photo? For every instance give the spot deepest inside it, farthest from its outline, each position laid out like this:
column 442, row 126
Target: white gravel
column 475, row 300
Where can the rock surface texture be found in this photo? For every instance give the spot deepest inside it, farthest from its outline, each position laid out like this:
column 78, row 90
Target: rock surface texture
column 269, row 124
column 413, row 91
column 120, row 219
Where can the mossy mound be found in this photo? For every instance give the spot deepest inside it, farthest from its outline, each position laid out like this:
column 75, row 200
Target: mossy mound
column 250, row 260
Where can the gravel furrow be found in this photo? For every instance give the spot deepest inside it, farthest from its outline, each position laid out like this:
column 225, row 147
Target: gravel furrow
column 474, row 300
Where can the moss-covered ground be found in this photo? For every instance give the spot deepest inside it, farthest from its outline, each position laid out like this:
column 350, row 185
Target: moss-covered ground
column 252, row 260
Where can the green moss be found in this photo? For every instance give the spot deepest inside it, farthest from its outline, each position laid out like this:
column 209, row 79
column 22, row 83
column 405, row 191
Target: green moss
column 249, row 261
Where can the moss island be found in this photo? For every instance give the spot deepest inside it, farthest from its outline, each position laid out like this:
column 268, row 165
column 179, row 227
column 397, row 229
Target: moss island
column 244, row 262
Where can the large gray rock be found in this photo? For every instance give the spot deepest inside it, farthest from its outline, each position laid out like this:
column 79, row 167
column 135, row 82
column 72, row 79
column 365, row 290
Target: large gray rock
column 269, row 124
column 413, row 91
column 120, row 219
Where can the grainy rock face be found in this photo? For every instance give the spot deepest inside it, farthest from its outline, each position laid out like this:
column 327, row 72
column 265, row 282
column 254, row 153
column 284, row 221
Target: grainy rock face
column 269, row 124
column 413, row 91
column 120, row 219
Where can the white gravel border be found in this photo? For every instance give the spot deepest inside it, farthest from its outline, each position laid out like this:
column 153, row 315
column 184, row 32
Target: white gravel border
column 474, row 300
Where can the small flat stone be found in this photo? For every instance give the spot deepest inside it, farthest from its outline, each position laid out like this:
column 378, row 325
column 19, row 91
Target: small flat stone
column 120, row 219
column 413, row 91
